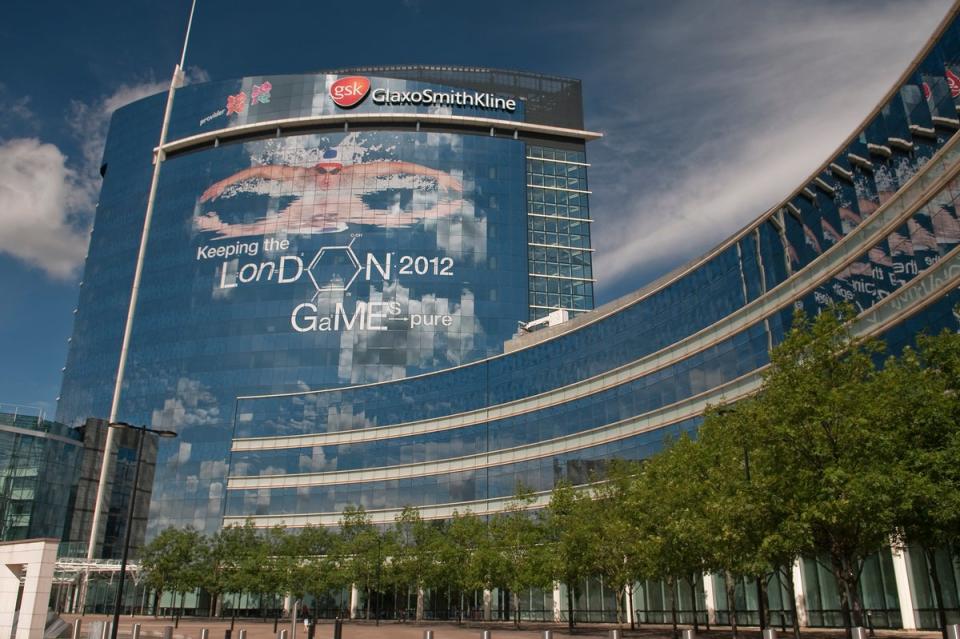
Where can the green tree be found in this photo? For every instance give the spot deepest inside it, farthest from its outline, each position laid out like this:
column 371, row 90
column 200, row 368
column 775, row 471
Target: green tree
column 359, row 551
column 467, row 555
column 670, row 519
column 826, row 444
column 282, row 557
column 174, row 561
column 414, row 561
column 568, row 528
column 243, row 554
column 519, row 538
column 615, row 553
column 303, row 561
column 921, row 393
column 160, row 560
column 215, row 563
column 754, row 528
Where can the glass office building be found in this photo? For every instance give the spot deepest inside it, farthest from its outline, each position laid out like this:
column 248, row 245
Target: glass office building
column 340, row 260
column 876, row 225
column 39, row 460
column 318, row 231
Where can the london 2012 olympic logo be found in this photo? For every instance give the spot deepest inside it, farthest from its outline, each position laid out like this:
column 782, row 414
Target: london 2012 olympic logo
column 350, row 91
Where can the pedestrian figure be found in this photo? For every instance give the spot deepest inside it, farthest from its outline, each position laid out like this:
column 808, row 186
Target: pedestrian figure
column 307, row 621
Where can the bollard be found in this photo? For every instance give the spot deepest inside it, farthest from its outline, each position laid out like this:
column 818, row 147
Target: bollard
column 282, row 635
column 105, row 630
column 227, row 633
column 168, row 632
column 76, row 630
column 243, row 633
column 614, row 634
column 548, row 634
column 204, row 633
column 770, row 633
column 859, row 632
column 136, row 631
column 953, row 631
column 689, row 634
column 338, row 628
column 428, row 634
column 485, row 634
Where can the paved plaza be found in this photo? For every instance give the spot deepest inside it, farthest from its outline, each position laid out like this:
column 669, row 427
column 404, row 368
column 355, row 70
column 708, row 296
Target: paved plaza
column 256, row 629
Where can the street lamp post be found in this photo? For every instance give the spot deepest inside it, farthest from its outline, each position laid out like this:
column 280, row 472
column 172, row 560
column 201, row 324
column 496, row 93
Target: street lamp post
column 141, row 435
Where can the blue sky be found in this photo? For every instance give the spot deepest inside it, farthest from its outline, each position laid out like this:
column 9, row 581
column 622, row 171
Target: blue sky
column 712, row 111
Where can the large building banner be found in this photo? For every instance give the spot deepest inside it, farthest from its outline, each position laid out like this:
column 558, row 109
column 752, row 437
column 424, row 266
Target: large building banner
column 376, row 241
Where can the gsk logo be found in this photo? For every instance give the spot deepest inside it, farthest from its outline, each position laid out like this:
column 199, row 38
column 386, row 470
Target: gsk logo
column 350, row 91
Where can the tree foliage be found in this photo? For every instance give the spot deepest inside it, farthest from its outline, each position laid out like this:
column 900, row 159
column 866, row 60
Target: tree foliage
column 524, row 557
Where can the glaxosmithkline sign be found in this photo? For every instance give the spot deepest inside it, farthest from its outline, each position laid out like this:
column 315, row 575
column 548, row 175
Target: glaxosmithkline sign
column 350, row 91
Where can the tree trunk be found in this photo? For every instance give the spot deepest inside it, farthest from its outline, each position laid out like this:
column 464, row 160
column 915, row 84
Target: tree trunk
column 731, row 602
column 693, row 598
column 671, row 585
column 156, row 602
column 369, row 598
column 570, row 593
column 792, row 591
column 937, row 589
column 619, row 598
column 516, row 609
column 859, row 614
column 419, row 603
column 633, row 612
column 843, row 589
column 765, row 599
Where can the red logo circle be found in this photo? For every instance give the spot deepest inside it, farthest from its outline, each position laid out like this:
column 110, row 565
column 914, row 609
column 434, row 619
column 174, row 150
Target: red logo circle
column 350, row 91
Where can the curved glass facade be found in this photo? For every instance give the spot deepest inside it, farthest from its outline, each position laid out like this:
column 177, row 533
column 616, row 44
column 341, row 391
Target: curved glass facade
column 877, row 225
column 313, row 232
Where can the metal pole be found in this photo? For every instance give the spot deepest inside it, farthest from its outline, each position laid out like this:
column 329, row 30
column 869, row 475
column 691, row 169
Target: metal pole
column 105, row 466
column 760, row 610
column 379, row 561
column 141, row 435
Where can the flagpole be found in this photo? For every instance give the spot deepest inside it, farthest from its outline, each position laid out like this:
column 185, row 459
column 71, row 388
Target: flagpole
column 106, row 466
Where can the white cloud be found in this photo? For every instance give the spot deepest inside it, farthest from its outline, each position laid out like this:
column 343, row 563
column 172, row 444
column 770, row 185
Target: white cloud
column 192, row 404
column 47, row 199
column 749, row 99
column 89, row 124
column 17, row 112
column 40, row 197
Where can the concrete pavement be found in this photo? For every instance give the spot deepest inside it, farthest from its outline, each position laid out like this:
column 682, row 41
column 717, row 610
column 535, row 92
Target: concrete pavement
column 189, row 628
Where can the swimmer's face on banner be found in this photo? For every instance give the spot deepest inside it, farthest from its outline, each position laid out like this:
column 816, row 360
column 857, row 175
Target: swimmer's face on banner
column 328, row 174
